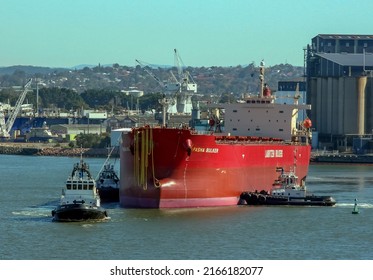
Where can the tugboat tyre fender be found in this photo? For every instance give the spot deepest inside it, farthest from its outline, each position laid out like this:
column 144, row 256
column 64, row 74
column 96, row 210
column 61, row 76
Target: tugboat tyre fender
column 244, row 195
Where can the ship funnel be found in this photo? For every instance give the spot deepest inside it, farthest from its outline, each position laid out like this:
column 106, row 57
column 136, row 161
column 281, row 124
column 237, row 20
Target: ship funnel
column 361, row 84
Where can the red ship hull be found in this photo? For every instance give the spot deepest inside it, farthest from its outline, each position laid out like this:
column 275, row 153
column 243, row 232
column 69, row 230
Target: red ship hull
column 172, row 168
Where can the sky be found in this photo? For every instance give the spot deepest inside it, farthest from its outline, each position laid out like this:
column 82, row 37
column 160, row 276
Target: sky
column 67, row 33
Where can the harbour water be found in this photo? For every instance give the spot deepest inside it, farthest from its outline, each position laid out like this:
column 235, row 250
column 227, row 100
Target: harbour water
column 31, row 187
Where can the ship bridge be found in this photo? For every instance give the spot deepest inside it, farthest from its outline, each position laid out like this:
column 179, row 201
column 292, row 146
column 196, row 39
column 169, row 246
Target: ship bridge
column 262, row 117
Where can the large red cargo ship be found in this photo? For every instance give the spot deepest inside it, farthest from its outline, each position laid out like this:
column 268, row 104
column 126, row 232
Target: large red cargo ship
column 167, row 167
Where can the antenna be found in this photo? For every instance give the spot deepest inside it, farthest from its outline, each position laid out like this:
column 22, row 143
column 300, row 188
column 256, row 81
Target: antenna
column 261, row 77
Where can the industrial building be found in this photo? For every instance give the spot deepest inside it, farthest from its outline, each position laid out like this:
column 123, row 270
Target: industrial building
column 340, row 90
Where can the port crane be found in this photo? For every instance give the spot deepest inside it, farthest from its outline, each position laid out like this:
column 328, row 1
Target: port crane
column 6, row 126
column 185, row 79
column 187, row 85
column 166, row 86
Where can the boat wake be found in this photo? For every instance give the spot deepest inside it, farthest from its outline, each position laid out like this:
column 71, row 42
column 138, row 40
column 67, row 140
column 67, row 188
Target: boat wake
column 36, row 211
column 91, row 223
column 351, row 205
column 338, row 180
column 33, row 214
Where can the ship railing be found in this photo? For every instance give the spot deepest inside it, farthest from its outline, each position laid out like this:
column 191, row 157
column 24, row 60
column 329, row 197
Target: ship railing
column 246, row 139
column 299, row 132
column 301, row 135
column 201, row 132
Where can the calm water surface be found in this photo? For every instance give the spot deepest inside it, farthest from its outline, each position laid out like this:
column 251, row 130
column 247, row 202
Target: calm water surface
column 31, row 186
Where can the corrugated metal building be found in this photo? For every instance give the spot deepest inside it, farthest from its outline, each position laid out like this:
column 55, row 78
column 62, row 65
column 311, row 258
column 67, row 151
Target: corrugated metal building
column 340, row 88
column 342, row 43
column 78, row 128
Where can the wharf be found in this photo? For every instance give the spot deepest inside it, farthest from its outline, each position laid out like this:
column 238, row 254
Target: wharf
column 342, row 158
column 45, row 149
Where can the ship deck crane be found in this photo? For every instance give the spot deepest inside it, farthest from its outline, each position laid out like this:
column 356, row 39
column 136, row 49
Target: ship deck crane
column 5, row 127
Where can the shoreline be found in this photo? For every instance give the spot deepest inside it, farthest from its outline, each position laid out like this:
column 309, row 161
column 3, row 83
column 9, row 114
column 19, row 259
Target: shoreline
column 47, row 149
column 50, row 149
column 341, row 158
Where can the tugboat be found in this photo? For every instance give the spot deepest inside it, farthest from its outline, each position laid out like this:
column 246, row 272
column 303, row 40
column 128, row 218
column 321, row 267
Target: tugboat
column 108, row 184
column 287, row 191
column 80, row 200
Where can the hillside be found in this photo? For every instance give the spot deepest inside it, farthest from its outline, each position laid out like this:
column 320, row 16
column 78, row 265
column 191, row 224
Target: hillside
column 212, row 80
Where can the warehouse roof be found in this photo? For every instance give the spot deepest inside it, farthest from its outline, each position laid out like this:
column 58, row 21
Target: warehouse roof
column 349, row 59
column 345, row 36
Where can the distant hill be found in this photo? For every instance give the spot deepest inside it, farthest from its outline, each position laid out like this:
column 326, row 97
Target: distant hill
column 212, row 80
column 82, row 66
column 28, row 69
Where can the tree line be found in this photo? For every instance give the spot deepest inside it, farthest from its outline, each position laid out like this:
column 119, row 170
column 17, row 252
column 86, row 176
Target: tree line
column 68, row 100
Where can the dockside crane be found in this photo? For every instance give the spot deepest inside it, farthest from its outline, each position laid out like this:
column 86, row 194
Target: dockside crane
column 187, row 85
column 185, row 79
column 166, row 86
column 6, row 126
column 169, row 89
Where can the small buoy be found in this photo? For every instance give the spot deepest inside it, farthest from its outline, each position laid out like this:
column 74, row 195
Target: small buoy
column 356, row 209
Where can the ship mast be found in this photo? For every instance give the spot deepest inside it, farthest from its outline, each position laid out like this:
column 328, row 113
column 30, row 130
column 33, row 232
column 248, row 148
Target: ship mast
column 261, row 78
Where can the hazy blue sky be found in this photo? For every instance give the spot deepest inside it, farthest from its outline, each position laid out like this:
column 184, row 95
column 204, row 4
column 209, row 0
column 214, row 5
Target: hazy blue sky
column 65, row 33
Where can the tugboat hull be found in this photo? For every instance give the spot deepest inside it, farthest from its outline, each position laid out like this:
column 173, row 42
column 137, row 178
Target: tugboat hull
column 78, row 213
column 108, row 184
column 263, row 199
column 109, row 194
